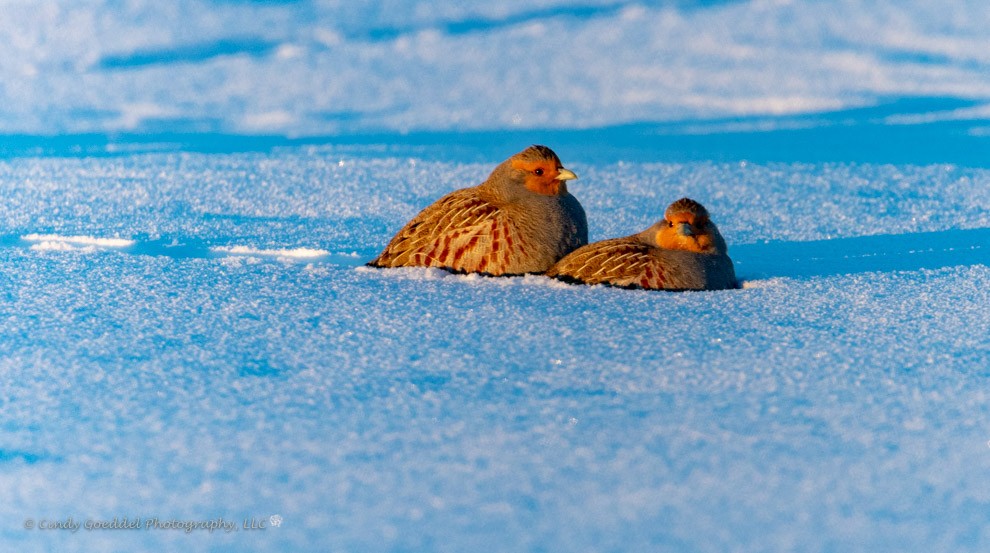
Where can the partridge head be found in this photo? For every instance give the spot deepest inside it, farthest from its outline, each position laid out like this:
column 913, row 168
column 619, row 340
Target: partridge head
column 687, row 226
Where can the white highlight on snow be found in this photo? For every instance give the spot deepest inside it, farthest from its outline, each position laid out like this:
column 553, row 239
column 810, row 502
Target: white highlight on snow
column 268, row 120
column 55, row 242
column 296, row 253
column 134, row 114
column 761, row 283
column 979, row 112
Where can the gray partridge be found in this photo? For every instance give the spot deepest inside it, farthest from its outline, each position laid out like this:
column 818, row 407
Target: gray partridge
column 520, row 220
column 684, row 251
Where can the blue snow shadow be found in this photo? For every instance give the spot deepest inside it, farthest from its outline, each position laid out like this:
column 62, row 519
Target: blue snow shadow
column 479, row 25
column 189, row 53
column 862, row 254
column 26, row 457
column 860, row 135
column 857, row 135
column 488, row 24
column 193, row 248
column 789, row 259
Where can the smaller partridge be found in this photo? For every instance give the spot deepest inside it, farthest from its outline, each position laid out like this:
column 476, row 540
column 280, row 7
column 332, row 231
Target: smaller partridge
column 520, row 220
column 684, row 251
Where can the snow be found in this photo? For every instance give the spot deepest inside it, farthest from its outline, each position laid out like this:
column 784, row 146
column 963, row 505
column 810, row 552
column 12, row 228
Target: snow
column 322, row 66
column 188, row 333
column 56, row 242
column 280, row 253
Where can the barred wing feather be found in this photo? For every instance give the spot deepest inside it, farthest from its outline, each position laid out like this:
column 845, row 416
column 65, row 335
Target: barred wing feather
column 460, row 232
column 620, row 262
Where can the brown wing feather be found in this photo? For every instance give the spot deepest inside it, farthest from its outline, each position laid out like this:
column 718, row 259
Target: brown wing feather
column 460, row 231
column 619, row 262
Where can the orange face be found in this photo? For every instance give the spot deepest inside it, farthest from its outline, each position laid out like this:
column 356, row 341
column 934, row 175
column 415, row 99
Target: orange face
column 687, row 231
column 543, row 176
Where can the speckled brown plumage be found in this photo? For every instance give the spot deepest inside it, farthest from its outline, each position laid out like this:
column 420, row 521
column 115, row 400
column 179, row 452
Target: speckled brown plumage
column 520, row 220
column 684, row 251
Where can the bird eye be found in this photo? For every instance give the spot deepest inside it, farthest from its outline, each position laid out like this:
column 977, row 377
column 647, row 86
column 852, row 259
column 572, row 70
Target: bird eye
column 539, row 172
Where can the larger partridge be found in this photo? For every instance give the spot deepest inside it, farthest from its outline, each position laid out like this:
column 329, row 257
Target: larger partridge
column 520, row 220
column 684, row 251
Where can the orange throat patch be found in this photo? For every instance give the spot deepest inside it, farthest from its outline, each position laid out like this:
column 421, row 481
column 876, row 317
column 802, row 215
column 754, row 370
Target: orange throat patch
column 543, row 186
column 668, row 239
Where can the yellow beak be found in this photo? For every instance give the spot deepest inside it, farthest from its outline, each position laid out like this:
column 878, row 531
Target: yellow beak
column 564, row 174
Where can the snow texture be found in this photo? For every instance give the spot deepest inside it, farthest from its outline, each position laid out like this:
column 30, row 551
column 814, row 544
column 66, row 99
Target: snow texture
column 188, row 333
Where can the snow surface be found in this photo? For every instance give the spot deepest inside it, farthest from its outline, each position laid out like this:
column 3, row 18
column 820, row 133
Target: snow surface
column 831, row 404
column 187, row 332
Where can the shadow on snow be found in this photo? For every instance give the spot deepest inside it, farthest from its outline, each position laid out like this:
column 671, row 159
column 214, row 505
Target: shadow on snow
column 758, row 261
column 862, row 254
column 861, row 135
